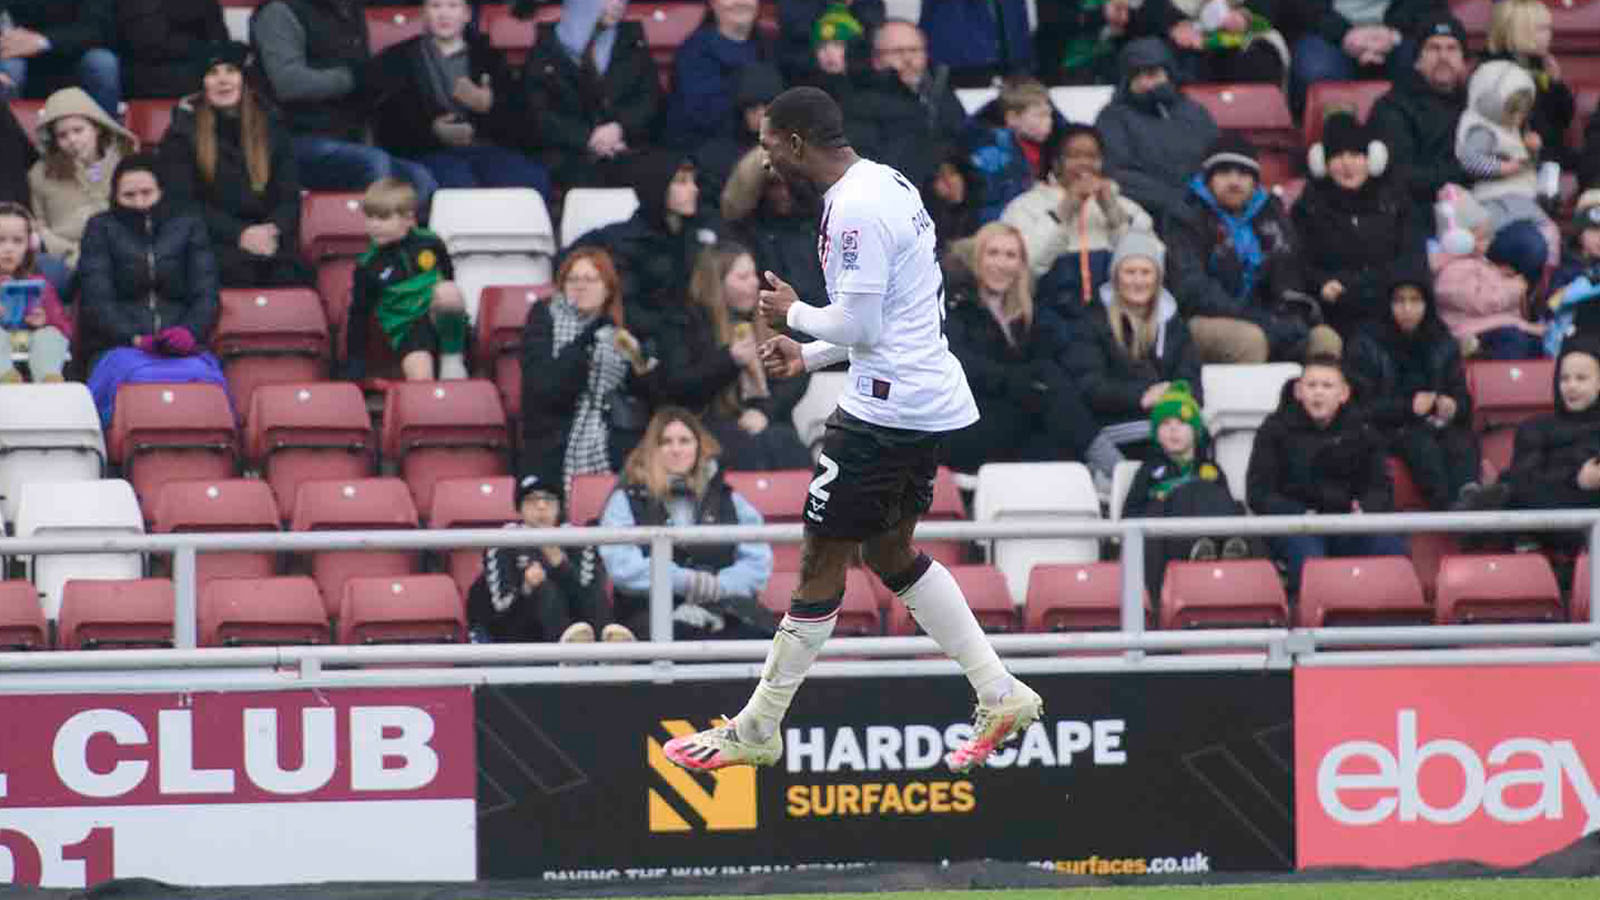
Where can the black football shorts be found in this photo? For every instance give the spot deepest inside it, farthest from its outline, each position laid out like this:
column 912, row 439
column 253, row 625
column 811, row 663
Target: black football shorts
column 870, row 478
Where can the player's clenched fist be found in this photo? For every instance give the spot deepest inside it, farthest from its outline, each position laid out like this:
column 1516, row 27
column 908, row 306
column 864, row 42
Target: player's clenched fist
column 776, row 302
column 781, row 357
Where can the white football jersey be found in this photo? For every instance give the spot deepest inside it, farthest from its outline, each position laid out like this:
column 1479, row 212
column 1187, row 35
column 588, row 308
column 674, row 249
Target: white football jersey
column 876, row 237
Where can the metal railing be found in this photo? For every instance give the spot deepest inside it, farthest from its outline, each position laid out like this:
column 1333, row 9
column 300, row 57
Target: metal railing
column 661, row 658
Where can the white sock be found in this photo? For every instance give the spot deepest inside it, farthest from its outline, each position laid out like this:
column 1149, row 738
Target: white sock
column 794, row 649
column 936, row 602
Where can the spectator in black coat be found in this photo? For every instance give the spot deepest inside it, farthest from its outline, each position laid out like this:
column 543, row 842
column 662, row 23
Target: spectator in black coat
column 15, row 146
column 705, row 72
column 797, row 36
column 52, row 44
column 228, row 159
column 593, row 94
column 447, row 99
column 1408, row 375
column 904, row 114
column 163, row 44
column 1318, row 454
column 1128, row 349
column 1353, row 223
column 1555, row 463
column 764, row 215
column 756, row 86
column 1011, row 351
column 1417, row 119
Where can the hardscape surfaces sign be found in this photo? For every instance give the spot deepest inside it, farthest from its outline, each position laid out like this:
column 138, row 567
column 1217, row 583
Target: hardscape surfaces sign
column 1129, row 775
column 238, row 788
column 1404, row 766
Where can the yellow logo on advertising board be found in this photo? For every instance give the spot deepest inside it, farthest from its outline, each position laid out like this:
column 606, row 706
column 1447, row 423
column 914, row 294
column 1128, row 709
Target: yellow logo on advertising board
column 730, row 804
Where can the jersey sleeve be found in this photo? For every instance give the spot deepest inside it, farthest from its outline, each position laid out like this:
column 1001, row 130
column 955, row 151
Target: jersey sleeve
column 857, row 255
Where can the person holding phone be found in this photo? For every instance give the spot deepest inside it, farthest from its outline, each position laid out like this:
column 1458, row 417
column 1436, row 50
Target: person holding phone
column 31, row 316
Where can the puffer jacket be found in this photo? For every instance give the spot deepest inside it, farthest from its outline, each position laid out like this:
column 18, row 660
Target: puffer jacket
column 1549, row 450
column 1153, row 141
column 1475, row 296
column 1354, row 237
column 1113, row 382
column 1389, row 367
column 228, row 203
column 1298, row 467
column 143, row 272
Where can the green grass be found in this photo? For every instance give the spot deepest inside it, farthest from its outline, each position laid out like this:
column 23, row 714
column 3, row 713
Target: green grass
column 1478, row 889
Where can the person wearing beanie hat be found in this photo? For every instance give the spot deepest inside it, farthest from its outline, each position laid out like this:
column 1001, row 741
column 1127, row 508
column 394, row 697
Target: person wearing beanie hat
column 244, row 184
column 1128, row 349
column 1481, row 300
column 801, row 30
column 1354, row 223
column 1236, row 267
column 164, row 45
column 540, row 593
column 832, row 34
column 1155, row 137
column 1417, row 118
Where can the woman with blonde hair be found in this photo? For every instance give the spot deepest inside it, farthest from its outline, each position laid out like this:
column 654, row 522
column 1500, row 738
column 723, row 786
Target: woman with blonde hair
column 750, row 417
column 672, row 478
column 72, row 182
column 1520, row 31
column 1011, row 351
column 1129, row 349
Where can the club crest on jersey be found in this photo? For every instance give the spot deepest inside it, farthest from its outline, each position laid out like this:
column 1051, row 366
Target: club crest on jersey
column 849, row 249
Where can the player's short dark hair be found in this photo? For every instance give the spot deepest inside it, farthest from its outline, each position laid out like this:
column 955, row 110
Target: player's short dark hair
column 810, row 113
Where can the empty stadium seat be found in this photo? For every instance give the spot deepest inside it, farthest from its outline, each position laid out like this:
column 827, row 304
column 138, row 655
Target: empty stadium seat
column 1581, row 595
column 859, row 614
column 389, row 25
column 434, row 430
column 1260, row 112
column 173, row 432
column 1036, row 491
column 99, row 614
column 477, row 271
column 1076, row 597
column 1238, row 398
column 48, row 433
column 368, row 504
column 508, row 34
column 588, row 496
column 304, row 432
column 472, row 503
column 22, row 623
column 243, row 612
column 1240, row 593
column 667, row 24
column 588, row 209
column 1121, row 481
column 1082, row 103
column 1508, row 392
column 78, row 509
column 417, row 609
column 238, row 504
column 1480, row 588
column 975, row 99
column 1325, row 96
column 986, row 592
column 493, row 220
column 1361, row 590
column 148, row 119
column 502, row 315
column 780, row 497
column 27, row 113
column 332, row 225
column 270, row 336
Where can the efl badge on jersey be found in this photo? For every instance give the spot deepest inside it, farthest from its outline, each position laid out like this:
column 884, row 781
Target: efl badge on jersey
column 426, row 260
column 850, row 249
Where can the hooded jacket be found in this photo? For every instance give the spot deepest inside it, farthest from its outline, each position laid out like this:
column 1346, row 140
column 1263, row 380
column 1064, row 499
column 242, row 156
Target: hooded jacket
column 1475, row 296
column 1491, row 87
column 63, row 208
column 1389, row 367
column 162, row 44
column 1112, row 382
column 1549, row 450
column 404, row 108
column 1553, row 108
column 1153, row 141
column 564, row 113
column 141, row 272
column 1354, row 237
column 892, row 124
column 229, row 203
column 1298, row 467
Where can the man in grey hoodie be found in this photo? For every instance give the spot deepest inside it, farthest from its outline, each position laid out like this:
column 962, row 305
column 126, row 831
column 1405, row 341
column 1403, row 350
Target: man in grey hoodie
column 1155, row 138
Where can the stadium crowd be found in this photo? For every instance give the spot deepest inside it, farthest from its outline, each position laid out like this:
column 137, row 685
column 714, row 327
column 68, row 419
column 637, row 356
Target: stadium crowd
column 1091, row 269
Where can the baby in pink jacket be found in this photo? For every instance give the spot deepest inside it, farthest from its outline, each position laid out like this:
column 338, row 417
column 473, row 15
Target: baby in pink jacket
column 1481, row 293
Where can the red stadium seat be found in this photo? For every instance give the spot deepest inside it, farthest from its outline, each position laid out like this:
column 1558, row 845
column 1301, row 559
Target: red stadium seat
column 1407, row 496
column 418, row 609
column 389, row 25
column 270, row 336
column 1325, row 96
column 332, row 224
column 369, row 504
column 1507, row 392
column 859, row 615
column 1076, row 597
column 172, row 432
column 22, row 621
column 305, row 432
column 26, row 112
column 502, row 314
column 1518, row 587
column 780, row 497
column 239, row 504
column 1361, row 590
column 1581, row 597
column 511, row 36
column 666, row 25
column 241, row 612
column 148, row 119
column 588, row 497
column 472, row 503
column 116, row 613
column 1257, row 111
column 1240, row 593
column 444, row 429
column 986, row 592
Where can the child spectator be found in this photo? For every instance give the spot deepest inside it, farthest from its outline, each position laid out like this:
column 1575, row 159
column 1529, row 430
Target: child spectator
column 836, row 39
column 1127, row 350
column 1408, row 373
column 1180, row 479
column 1006, row 160
column 1496, row 147
column 1555, row 462
column 541, row 593
column 404, row 279
column 44, row 328
column 806, row 27
column 1354, row 223
column 1519, row 31
column 1576, row 284
column 82, row 147
column 1480, row 298
column 1318, row 454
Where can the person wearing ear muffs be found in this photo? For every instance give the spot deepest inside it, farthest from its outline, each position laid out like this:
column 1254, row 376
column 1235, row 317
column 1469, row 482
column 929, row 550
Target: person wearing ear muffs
column 1355, row 223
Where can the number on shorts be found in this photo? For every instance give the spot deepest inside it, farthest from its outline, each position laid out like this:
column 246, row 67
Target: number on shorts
column 819, row 484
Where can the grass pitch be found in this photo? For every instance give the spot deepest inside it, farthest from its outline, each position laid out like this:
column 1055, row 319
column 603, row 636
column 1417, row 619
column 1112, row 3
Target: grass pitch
column 1477, row 889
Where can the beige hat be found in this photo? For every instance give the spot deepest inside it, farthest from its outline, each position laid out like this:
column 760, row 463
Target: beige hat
column 77, row 102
